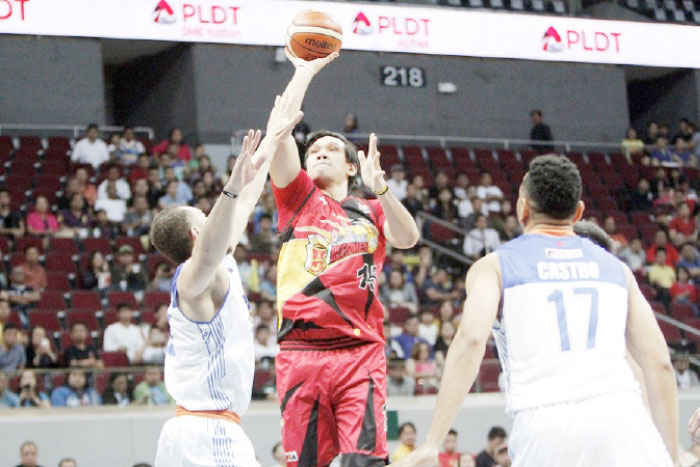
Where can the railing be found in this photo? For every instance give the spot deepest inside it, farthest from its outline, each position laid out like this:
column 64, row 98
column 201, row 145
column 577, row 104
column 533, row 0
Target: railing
column 421, row 217
column 75, row 130
column 447, row 141
column 678, row 324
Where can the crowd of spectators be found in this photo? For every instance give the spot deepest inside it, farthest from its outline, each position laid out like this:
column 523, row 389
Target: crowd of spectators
column 112, row 190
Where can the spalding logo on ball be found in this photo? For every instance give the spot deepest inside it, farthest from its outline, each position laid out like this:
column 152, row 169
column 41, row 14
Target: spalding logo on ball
column 314, row 34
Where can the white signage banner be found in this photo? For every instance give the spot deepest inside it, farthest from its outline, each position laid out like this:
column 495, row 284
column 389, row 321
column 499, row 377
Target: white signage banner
column 440, row 31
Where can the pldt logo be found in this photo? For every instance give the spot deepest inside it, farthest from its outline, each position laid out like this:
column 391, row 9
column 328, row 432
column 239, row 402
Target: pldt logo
column 361, row 25
column 551, row 41
column 164, row 14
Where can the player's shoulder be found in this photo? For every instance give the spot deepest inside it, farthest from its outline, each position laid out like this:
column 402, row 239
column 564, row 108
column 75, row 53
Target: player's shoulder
column 488, row 264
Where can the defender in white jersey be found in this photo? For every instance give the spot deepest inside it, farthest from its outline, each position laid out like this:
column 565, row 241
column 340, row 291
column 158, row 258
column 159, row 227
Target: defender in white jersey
column 563, row 311
column 210, row 361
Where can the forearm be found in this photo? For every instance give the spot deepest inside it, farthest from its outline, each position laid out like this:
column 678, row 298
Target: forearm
column 400, row 229
column 461, row 368
column 662, row 394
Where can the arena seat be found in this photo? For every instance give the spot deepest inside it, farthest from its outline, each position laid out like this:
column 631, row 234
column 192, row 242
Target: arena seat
column 58, row 143
column 47, row 182
column 45, row 318
column 33, row 142
column 53, row 300
column 263, row 377
column 152, row 299
column 115, row 298
column 424, row 390
column 133, row 242
column 97, row 244
column 86, row 316
column 87, row 299
column 399, row 315
column 115, row 359
column 488, row 376
column 64, row 246
column 24, row 242
column 60, row 262
column 58, row 281
column 682, row 311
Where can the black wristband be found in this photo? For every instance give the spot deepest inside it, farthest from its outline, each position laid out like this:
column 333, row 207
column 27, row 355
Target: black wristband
column 229, row 194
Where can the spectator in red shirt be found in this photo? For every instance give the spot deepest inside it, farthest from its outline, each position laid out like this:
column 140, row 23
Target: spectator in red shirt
column 87, row 189
column 682, row 291
column 140, row 170
column 661, row 241
column 449, row 457
column 34, row 273
column 174, row 137
column 683, row 227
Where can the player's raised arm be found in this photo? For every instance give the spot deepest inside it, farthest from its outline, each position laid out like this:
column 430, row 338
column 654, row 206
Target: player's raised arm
column 647, row 346
column 286, row 164
column 464, row 357
column 400, row 228
column 226, row 223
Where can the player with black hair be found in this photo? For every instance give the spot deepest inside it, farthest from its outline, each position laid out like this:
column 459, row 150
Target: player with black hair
column 563, row 312
column 331, row 370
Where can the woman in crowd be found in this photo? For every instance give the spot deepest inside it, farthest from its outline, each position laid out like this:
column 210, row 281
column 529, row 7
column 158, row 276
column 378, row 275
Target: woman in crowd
column 29, row 394
column 96, row 275
column 39, row 350
column 117, row 393
column 421, row 367
column 40, row 221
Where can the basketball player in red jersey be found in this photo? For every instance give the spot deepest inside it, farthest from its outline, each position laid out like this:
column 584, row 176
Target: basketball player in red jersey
column 331, row 371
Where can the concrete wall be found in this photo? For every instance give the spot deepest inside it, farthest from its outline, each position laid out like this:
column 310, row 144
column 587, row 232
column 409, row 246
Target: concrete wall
column 666, row 99
column 235, row 87
column 114, row 437
column 157, row 91
column 51, row 80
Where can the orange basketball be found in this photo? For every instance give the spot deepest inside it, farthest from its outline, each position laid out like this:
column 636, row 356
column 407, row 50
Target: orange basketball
column 314, row 34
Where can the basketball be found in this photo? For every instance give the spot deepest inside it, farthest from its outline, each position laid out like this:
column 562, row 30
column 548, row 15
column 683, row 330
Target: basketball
column 314, row 34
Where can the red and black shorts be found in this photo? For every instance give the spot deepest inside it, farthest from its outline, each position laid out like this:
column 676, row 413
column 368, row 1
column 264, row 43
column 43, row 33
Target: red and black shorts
column 333, row 402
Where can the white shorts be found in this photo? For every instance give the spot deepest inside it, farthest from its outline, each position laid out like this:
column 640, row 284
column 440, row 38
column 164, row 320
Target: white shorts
column 191, row 441
column 606, row 431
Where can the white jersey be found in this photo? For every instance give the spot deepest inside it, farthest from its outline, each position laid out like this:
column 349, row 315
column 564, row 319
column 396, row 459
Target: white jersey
column 561, row 330
column 210, row 365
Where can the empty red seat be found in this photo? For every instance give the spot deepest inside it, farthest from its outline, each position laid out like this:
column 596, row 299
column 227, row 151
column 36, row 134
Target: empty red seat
column 682, row 311
column 670, row 332
column 60, row 262
column 6, row 143
column 27, row 241
column 152, row 262
column 399, row 315
column 58, row 143
column 65, row 246
column 413, row 157
column 147, row 317
column 577, row 158
column 628, row 231
column 97, row 244
column 47, row 182
column 46, row 319
column 488, row 376
column 58, row 282
column 18, row 182
column 30, row 142
column 527, row 155
column 152, row 299
column 648, row 291
column 86, row 299
column 115, row 298
column 597, row 159
column 16, row 259
column 606, row 204
column 115, row 359
column 441, row 234
column 86, row 316
column 262, row 380
column 639, row 218
column 424, row 389
column 52, row 300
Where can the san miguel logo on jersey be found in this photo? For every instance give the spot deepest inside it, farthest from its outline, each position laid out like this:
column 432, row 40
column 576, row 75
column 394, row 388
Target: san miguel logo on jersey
column 348, row 237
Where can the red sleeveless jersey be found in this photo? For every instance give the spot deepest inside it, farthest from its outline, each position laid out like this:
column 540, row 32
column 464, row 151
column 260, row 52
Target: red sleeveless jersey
column 332, row 252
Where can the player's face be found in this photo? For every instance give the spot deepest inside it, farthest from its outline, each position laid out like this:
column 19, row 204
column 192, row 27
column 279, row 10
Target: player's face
column 326, row 163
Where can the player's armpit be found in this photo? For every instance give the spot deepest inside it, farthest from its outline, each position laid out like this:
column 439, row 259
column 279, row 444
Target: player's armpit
column 647, row 346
